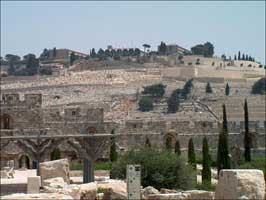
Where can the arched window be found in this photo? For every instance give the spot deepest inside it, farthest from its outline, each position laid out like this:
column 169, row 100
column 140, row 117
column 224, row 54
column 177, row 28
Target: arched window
column 24, row 162
column 6, row 121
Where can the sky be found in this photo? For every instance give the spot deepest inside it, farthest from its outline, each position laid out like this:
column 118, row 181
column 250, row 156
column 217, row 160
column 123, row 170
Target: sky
column 31, row 26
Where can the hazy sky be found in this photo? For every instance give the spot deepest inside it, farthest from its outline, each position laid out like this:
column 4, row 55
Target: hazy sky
column 29, row 27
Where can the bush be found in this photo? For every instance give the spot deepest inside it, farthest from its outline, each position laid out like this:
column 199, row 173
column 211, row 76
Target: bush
column 145, row 104
column 205, row 186
column 173, row 101
column 259, row 87
column 208, row 88
column 190, row 63
column 158, row 169
column 156, row 90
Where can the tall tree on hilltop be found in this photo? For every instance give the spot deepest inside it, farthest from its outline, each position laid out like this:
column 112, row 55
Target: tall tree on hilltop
column 191, row 154
column 243, row 57
column 206, row 163
column 113, row 152
column 235, row 57
column 177, row 148
column 239, row 56
column 227, row 89
column 223, row 159
column 246, row 57
column 162, row 48
column 247, row 138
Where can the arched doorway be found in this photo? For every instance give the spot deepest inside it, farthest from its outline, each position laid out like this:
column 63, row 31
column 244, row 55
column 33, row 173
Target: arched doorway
column 24, row 162
column 6, row 121
column 55, row 154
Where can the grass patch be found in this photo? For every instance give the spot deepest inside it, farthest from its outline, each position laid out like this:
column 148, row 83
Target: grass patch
column 75, row 166
column 207, row 187
column 256, row 163
column 98, row 166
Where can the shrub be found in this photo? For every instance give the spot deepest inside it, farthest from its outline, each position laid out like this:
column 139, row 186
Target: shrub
column 177, row 148
column 173, row 101
column 259, row 87
column 156, row 90
column 187, row 88
column 158, row 169
column 190, row 63
column 145, row 104
column 113, row 152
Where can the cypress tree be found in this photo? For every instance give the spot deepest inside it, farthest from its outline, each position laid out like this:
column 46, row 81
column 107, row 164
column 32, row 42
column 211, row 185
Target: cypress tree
column 247, row 139
column 147, row 143
column 177, row 148
column 191, row 154
column 113, row 152
column 243, row 57
column 168, row 143
column 246, row 57
column 208, row 88
column 235, row 57
column 206, row 163
column 225, row 127
column 239, row 56
column 227, row 89
column 223, row 160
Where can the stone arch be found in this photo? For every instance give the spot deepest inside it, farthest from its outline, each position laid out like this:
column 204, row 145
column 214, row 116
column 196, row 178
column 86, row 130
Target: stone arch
column 6, row 121
column 170, row 138
column 24, row 161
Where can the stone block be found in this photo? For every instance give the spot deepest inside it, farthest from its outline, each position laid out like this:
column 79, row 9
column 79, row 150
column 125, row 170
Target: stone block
column 240, row 183
column 54, row 169
column 33, row 185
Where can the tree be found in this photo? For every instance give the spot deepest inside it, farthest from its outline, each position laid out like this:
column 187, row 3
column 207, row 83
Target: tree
column 206, row 163
column 191, row 154
column 113, row 152
column 101, row 54
column 243, row 57
column 137, row 52
column 239, row 56
column 168, row 143
column 187, row 88
column 208, row 88
column 259, row 87
column 10, row 58
column 223, row 159
column 93, row 53
column 146, row 46
column 235, row 57
column 32, row 64
column 223, row 57
column 156, row 90
column 173, row 101
column 227, row 89
column 177, row 148
column 147, row 143
column 209, row 49
column 145, row 104
column 225, row 127
column 246, row 57
column 162, row 48
column 247, row 138
column 54, row 52
column 45, row 54
column 72, row 58
column 198, row 49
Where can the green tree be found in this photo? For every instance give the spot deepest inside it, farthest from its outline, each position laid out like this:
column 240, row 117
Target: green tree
column 54, row 52
column 209, row 49
column 55, row 154
column 145, row 104
column 113, row 152
column 72, row 58
column 247, row 138
column 223, row 159
column 198, row 49
column 161, row 169
column 243, row 57
column 259, row 87
column 162, row 48
column 246, row 57
column 168, row 143
column 146, row 46
column 227, row 89
column 206, row 163
column 187, row 88
column 173, row 101
column 235, row 57
column 191, row 154
column 147, row 142
column 177, row 148
column 32, row 64
column 93, row 53
column 223, row 57
column 208, row 88
column 239, row 55
column 156, row 90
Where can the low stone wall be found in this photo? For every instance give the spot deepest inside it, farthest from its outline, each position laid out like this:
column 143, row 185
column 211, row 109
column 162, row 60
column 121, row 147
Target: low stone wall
column 13, row 188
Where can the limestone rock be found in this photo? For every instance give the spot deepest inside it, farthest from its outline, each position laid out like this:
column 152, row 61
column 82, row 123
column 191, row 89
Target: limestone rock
column 57, row 182
column 46, row 196
column 115, row 189
column 149, row 190
column 170, row 196
column 235, row 184
column 83, row 191
column 54, row 169
column 167, row 191
column 3, row 174
column 199, row 194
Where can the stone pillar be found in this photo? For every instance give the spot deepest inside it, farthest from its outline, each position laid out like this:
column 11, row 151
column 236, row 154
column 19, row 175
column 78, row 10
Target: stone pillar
column 33, row 185
column 88, row 171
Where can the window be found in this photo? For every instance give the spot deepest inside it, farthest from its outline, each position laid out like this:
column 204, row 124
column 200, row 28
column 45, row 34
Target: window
column 73, row 113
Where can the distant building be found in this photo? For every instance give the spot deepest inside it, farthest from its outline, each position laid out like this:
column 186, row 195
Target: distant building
column 63, row 54
column 173, row 49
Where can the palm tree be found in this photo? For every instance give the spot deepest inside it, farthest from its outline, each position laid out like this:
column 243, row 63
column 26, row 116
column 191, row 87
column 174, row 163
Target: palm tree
column 146, row 46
